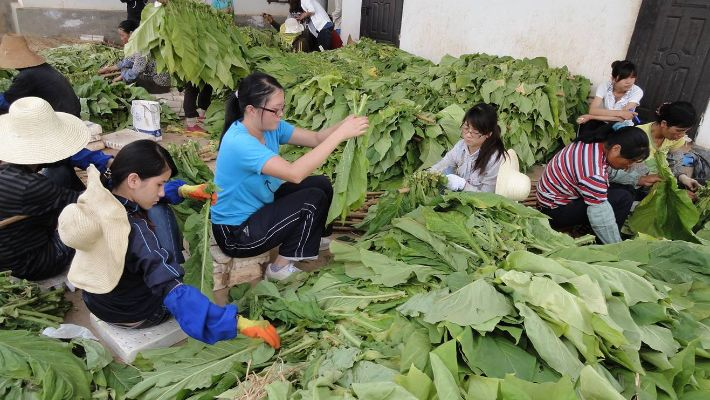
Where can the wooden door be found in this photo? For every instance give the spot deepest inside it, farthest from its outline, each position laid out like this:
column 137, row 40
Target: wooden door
column 671, row 48
column 381, row 20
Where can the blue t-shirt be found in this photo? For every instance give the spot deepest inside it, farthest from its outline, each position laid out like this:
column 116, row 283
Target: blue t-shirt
column 241, row 157
column 221, row 4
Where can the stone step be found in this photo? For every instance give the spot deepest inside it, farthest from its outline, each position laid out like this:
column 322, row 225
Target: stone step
column 127, row 343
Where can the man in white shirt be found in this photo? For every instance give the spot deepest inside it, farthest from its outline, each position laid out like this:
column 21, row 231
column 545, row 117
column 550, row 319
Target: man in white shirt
column 318, row 22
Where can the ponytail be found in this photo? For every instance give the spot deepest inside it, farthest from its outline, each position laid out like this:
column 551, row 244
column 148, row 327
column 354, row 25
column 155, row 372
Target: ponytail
column 483, row 117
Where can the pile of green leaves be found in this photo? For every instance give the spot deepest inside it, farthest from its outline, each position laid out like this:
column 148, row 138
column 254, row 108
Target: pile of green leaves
column 190, row 167
column 24, row 306
column 416, row 313
column 109, row 104
column 350, row 185
column 422, row 188
column 667, row 211
column 168, row 33
column 80, row 62
column 194, row 217
column 37, row 367
column 255, row 37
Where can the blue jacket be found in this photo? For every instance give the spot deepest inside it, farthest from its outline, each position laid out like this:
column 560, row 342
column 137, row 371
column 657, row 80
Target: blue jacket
column 152, row 278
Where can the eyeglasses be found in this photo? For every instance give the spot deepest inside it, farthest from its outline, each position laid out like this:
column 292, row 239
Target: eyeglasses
column 467, row 129
column 278, row 112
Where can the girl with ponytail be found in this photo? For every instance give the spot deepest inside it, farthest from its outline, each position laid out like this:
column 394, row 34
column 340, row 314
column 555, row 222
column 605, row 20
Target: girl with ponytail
column 266, row 201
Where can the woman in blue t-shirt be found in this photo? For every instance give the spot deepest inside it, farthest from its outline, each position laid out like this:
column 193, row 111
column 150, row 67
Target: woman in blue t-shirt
column 266, row 201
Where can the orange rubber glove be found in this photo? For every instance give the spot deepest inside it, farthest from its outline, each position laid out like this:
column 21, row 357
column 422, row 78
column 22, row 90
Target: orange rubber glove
column 196, row 192
column 259, row 330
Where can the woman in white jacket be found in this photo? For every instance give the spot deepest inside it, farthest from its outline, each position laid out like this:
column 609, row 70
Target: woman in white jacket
column 318, row 22
column 472, row 165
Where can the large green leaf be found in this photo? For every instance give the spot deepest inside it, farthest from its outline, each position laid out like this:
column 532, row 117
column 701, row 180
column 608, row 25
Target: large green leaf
column 548, row 345
column 45, row 362
column 667, row 211
column 198, row 372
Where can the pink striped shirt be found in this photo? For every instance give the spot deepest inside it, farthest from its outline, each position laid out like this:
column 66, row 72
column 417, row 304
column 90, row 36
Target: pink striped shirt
column 578, row 170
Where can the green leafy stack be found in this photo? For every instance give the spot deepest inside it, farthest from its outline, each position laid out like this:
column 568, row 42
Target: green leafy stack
column 109, row 104
column 193, row 42
column 37, row 367
column 422, row 188
column 351, row 173
column 667, row 211
column 194, row 218
column 417, row 313
column 80, row 62
column 24, row 306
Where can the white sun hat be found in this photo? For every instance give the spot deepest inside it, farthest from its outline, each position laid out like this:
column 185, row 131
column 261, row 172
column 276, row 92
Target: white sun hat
column 97, row 227
column 291, row 25
column 33, row 133
column 512, row 183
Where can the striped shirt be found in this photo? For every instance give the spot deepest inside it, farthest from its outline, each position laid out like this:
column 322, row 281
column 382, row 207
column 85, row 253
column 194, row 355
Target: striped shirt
column 28, row 193
column 577, row 171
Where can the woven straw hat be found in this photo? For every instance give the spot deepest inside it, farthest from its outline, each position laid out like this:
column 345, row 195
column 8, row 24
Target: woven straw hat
column 32, row 133
column 14, row 53
column 97, row 227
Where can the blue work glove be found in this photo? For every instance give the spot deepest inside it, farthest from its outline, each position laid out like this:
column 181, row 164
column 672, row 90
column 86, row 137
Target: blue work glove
column 199, row 317
column 172, row 193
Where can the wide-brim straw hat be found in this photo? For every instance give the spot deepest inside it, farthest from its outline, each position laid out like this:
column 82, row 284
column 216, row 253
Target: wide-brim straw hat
column 291, row 25
column 14, row 53
column 97, row 227
column 33, row 133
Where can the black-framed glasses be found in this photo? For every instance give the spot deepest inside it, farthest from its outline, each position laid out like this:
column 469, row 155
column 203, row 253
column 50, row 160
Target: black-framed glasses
column 468, row 129
column 278, row 112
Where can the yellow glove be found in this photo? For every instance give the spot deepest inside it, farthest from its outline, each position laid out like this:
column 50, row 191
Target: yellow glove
column 196, row 192
column 260, row 330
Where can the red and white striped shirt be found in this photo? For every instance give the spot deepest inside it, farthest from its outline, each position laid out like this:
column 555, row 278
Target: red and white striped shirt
column 578, row 170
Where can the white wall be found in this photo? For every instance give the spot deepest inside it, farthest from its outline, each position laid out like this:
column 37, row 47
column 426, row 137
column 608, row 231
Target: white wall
column 586, row 36
column 703, row 136
column 257, row 7
column 351, row 19
column 77, row 4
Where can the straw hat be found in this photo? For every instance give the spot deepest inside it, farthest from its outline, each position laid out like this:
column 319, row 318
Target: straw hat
column 291, row 25
column 14, row 53
column 32, row 133
column 97, row 227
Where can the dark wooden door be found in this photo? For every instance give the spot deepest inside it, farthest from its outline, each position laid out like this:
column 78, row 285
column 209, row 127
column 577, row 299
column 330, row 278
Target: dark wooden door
column 671, row 48
column 381, row 20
